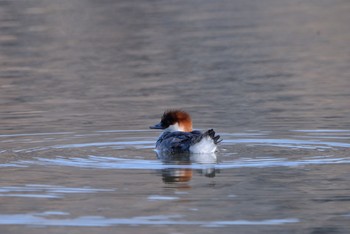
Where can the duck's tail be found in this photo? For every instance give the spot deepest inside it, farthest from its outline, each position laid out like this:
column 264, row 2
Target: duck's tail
column 211, row 134
column 206, row 143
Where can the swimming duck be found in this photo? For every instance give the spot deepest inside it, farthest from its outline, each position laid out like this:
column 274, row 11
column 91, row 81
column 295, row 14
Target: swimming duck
column 178, row 136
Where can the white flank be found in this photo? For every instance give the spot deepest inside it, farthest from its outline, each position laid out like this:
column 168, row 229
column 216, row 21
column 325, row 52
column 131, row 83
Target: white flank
column 206, row 145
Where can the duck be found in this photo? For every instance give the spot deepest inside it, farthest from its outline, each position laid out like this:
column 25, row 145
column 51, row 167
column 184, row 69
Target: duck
column 178, row 137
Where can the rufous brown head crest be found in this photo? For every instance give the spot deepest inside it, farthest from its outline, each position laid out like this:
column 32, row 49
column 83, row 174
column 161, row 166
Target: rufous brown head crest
column 171, row 117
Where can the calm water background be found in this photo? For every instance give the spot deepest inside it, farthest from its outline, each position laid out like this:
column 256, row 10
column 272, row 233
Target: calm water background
column 81, row 81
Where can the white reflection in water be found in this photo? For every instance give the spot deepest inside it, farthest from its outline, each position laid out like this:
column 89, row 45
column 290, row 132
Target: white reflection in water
column 99, row 144
column 158, row 197
column 100, row 162
column 322, row 130
column 289, row 143
column 36, row 134
column 100, row 221
column 45, row 191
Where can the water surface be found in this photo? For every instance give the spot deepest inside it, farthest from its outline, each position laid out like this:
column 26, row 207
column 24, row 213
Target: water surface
column 81, row 81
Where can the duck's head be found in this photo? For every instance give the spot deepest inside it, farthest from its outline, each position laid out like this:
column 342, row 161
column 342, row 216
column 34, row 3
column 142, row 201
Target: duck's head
column 175, row 120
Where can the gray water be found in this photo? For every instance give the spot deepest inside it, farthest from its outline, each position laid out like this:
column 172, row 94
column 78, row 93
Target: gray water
column 81, row 81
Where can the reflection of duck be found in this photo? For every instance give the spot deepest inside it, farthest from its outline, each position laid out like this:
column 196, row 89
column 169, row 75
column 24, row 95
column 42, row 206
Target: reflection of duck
column 178, row 136
column 179, row 167
column 171, row 175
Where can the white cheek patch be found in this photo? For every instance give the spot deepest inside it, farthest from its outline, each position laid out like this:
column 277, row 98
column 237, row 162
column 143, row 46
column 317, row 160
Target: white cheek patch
column 174, row 128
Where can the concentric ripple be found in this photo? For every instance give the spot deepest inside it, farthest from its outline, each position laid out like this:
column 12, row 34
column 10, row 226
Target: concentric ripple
column 121, row 149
